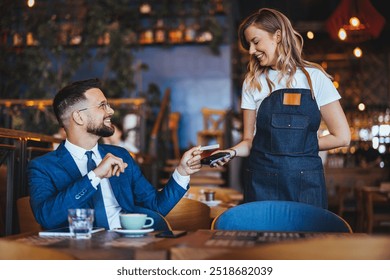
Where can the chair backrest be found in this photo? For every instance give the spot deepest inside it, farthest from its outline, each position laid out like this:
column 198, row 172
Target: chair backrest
column 174, row 120
column 26, row 217
column 375, row 205
column 15, row 250
column 160, row 223
column 189, row 214
column 213, row 119
column 280, row 216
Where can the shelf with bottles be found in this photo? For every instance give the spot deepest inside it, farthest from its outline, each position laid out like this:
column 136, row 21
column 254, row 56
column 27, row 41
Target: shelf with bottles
column 149, row 22
column 179, row 31
column 180, row 8
column 181, row 21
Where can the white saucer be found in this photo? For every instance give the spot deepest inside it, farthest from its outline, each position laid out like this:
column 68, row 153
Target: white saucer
column 133, row 232
column 212, row 203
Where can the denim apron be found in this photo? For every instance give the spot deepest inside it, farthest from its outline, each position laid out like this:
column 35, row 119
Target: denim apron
column 284, row 163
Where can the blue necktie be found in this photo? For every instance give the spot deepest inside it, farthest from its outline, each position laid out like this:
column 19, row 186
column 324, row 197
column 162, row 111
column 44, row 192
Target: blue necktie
column 98, row 204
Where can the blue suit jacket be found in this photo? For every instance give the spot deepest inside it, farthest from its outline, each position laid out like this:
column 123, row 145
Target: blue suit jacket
column 56, row 185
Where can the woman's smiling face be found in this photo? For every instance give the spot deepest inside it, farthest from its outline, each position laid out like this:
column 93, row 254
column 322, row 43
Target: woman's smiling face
column 263, row 45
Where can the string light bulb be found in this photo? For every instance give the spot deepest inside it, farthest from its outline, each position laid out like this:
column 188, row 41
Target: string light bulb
column 342, row 34
column 145, row 8
column 357, row 52
column 354, row 21
column 30, row 3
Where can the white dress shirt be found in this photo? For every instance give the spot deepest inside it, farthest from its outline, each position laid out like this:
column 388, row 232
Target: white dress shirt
column 111, row 204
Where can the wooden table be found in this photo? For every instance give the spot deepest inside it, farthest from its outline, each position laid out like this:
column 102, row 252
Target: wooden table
column 215, row 244
column 105, row 245
column 224, row 245
column 330, row 247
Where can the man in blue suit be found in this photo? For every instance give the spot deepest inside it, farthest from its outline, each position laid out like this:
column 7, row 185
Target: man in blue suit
column 61, row 179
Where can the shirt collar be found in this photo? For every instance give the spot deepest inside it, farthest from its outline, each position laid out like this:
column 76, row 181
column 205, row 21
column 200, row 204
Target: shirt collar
column 79, row 152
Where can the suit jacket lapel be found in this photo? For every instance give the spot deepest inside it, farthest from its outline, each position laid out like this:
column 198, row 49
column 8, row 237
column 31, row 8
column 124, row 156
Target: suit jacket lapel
column 66, row 161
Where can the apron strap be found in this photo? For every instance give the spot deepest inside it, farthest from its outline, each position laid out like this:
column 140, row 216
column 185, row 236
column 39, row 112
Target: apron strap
column 309, row 81
column 269, row 86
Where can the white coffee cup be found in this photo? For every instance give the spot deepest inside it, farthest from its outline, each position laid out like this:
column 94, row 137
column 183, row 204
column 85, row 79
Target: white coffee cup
column 134, row 221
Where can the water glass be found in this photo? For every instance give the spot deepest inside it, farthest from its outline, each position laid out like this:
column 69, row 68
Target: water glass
column 81, row 223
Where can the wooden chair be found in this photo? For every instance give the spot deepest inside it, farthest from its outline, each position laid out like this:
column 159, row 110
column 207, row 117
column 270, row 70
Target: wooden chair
column 160, row 222
column 189, row 215
column 287, row 216
column 174, row 158
column 214, row 127
column 376, row 208
column 346, row 200
column 3, row 195
column 26, row 217
column 15, row 250
column 173, row 125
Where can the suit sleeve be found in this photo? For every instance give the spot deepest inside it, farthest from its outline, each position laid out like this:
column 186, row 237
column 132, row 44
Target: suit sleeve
column 52, row 193
column 146, row 195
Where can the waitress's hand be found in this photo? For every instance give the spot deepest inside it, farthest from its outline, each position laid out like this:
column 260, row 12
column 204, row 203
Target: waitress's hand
column 224, row 161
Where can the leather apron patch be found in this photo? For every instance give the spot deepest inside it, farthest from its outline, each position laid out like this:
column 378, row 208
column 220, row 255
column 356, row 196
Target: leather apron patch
column 292, row 99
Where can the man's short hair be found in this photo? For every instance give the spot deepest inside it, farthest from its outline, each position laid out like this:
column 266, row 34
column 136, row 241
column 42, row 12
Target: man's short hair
column 71, row 95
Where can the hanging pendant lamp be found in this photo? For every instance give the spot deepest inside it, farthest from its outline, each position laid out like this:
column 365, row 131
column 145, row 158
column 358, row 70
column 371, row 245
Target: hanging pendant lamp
column 355, row 21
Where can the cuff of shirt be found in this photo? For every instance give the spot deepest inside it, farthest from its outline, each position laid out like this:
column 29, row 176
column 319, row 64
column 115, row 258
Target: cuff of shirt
column 95, row 180
column 183, row 181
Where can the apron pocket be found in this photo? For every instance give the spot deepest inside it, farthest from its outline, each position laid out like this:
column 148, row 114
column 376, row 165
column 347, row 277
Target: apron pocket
column 288, row 133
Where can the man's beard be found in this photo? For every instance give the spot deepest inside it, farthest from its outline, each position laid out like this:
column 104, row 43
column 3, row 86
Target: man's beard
column 102, row 130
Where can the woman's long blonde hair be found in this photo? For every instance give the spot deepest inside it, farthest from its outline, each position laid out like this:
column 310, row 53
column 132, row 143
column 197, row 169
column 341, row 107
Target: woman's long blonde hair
column 289, row 49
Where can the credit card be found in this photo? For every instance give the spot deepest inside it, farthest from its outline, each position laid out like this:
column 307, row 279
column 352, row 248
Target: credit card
column 209, row 147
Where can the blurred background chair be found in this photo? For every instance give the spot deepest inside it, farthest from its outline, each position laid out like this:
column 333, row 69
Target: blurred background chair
column 26, row 217
column 173, row 125
column 287, row 216
column 214, row 127
column 376, row 209
column 346, row 200
column 14, row 250
column 216, row 124
column 189, row 215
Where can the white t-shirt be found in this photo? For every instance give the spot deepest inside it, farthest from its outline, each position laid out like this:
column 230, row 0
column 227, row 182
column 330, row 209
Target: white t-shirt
column 324, row 90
